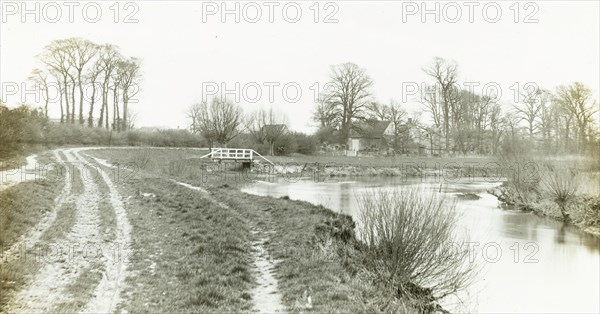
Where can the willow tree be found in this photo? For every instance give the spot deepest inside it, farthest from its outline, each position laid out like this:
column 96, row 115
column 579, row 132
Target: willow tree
column 218, row 121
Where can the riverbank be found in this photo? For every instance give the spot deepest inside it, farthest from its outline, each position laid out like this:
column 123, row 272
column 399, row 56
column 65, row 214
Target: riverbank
column 410, row 168
column 584, row 210
column 197, row 245
column 316, row 259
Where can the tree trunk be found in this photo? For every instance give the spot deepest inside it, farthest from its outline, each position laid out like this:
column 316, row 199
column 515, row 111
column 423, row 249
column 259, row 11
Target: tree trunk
column 62, row 114
column 565, row 214
column 116, row 118
column 101, row 118
column 80, row 98
column 104, row 106
column 125, row 101
column 73, row 103
column 568, row 122
column 66, row 92
column 91, row 113
column 46, row 104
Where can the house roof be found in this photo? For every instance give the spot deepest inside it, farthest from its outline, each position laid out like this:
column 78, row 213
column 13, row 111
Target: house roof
column 369, row 129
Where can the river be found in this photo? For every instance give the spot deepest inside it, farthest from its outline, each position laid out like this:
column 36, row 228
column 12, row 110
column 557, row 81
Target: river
column 530, row 264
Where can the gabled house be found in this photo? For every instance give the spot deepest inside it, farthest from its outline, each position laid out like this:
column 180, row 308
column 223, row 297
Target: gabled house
column 370, row 135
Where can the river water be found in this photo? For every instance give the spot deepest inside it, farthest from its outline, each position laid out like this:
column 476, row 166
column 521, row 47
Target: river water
column 530, row 264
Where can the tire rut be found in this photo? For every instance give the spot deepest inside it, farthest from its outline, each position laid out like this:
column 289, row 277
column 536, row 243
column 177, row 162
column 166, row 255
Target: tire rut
column 107, row 294
column 47, row 288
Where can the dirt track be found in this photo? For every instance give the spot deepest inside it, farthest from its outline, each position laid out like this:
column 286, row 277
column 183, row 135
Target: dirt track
column 83, row 248
column 86, row 250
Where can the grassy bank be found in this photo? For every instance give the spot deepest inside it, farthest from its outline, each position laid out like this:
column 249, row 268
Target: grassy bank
column 195, row 246
column 22, row 207
column 565, row 191
column 185, row 233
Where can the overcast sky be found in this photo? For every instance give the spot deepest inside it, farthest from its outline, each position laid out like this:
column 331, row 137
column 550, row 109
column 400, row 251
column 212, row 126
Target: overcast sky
column 180, row 52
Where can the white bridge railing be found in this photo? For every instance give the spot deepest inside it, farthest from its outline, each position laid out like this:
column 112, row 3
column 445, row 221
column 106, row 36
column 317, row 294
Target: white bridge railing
column 237, row 154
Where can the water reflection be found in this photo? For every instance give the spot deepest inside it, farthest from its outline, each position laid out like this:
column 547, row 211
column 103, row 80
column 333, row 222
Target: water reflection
column 543, row 266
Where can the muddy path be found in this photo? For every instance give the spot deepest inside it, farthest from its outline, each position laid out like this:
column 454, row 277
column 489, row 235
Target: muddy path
column 50, row 287
column 81, row 249
column 108, row 292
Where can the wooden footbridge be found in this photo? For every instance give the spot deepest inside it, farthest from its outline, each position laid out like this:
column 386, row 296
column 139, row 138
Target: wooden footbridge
column 244, row 155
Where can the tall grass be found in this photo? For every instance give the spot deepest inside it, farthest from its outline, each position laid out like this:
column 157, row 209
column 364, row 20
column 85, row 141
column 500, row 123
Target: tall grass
column 411, row 240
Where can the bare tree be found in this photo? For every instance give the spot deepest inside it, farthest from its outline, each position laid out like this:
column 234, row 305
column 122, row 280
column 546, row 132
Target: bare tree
column 377, row 111
column 267, row 126
column 131, row 119
column 445, row 74
column 129, row 73
column 496, row 126
column 529, row 110
column 326, row 113
column 55, row 58
column 547, row 112
column 80, row 53
column 218, row 121
column 350, row 92
column 576, row 99
column 92, row 78
column 193, row 113
column 41, row 80
column 75, row 62
column 61, row 90
column 116, row 84
column 109, row 57
column 432, row 104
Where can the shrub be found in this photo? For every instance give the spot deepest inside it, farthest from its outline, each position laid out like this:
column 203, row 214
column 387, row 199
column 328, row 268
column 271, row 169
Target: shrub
column 410, row 239
column 522, row 179
column 305, row 144
column 585, row 211
column 591, row 214
column 285, row 145
column 561, row 184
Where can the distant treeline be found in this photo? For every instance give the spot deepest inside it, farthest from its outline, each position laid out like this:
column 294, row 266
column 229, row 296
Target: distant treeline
column 83, row 77
column 457, row 118
column 27, row 126
column 24, row 125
